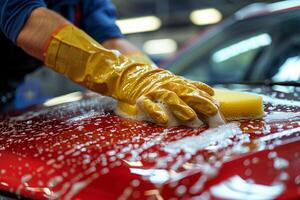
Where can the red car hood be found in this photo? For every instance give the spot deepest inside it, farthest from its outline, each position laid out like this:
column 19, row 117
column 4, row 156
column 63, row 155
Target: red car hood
column 81, row 150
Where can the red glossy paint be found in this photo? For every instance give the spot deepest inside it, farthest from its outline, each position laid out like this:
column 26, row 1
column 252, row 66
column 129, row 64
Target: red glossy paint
column 81, row 150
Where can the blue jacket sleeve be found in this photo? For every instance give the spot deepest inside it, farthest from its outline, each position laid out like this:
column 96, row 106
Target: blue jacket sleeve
column 98, row 19
column 13, row 15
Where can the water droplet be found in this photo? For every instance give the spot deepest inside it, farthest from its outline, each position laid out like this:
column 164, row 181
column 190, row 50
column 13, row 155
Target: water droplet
column 181, row 190
column 280, row 163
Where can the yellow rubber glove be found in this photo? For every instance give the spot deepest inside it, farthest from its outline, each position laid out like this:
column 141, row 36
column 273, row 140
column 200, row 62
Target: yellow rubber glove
column 140, row 58
column 128, row 110
column 147, row 89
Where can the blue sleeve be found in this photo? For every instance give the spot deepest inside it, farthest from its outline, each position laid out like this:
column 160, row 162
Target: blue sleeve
column 13, row 15
column 99, row 18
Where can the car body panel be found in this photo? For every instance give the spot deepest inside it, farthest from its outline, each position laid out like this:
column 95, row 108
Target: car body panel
column 82, row 150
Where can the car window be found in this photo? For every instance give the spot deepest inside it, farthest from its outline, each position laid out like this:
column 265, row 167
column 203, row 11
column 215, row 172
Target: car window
column 289, row 70
column 241, row 51
column 231, row 61
column 197, row 71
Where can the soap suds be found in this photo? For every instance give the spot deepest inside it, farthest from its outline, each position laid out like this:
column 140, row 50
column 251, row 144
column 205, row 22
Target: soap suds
column 238, row 188
column 279, row 116
column 216, row 120
column 142, row 115
column 280, row 163
column 218, row 137
column 275, row 101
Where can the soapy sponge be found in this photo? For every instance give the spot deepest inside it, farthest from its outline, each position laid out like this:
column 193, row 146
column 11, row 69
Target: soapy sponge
column 239, row 105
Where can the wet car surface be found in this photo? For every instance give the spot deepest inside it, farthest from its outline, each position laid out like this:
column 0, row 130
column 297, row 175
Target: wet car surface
column 82, row 150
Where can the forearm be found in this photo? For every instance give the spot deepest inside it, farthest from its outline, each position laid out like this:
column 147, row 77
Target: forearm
column 39, row 27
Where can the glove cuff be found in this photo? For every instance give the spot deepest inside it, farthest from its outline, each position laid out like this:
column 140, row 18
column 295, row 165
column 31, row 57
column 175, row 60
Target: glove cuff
column 69, row 47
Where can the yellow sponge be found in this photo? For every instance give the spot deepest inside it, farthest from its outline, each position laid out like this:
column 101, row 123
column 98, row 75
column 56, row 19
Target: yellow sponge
column 239, row 105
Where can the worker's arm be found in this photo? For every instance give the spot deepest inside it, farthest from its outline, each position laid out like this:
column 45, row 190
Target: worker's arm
column 33, row 34
column 29, row 24
column 73, row 53
column 37, row 31
column 70, row 51
column 43, row 22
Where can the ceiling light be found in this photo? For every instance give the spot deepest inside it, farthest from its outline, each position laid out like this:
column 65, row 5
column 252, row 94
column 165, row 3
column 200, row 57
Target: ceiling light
column 206, row 16
column 160, row 46
column 139, row 24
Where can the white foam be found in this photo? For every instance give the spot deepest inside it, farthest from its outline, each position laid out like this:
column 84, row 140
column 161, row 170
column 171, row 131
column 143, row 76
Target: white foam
column 54, row 181
column 218, row 137
column 279, row 116
column 142, row 115
column 26, row 178
column 216, row 120
column 276, row 101
column 280, row 163
column 238, row 188
column 78, row 186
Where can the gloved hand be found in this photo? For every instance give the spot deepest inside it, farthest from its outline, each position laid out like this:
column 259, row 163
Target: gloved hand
column 144, row 89
column 140, row 57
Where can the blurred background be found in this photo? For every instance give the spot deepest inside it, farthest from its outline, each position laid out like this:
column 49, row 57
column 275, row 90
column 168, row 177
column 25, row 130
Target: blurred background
column 214, row 41
column 173, row 22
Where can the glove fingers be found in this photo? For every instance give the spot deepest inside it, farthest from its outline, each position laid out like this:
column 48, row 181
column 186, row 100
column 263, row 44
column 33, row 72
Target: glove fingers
column 199, row 85
column 200, row 104
column 178, row 107
column 203, row 87
column 186, row 87
column 155, row 111
column 195, row 98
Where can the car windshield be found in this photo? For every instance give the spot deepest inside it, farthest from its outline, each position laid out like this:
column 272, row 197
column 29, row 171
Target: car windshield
column 255, row 49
